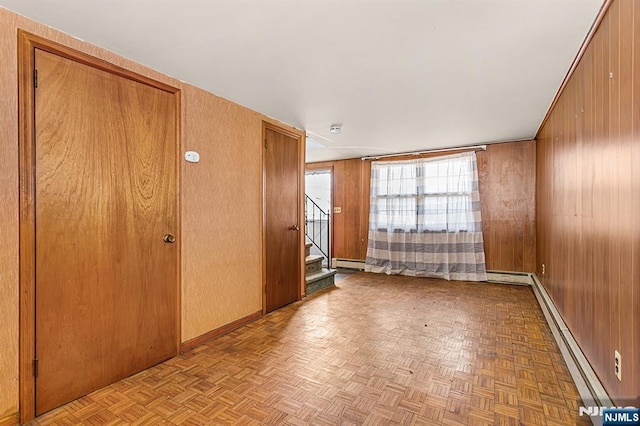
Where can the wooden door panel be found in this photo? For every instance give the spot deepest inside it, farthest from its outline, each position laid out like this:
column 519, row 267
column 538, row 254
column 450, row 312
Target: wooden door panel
column 106, row 289
column 281, row 203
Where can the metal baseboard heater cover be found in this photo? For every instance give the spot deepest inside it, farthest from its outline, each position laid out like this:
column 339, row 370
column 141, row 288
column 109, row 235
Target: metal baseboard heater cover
column 503, row 277
column 347, row 263
column 508, row 277
column 589, row 387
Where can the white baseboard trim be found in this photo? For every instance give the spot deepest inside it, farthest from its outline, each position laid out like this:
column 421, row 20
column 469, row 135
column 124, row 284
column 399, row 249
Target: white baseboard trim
column 591, row 390
column 347, row 263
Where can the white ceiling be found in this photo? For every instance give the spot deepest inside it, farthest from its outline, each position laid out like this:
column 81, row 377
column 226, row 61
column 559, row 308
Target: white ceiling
column 400, row 75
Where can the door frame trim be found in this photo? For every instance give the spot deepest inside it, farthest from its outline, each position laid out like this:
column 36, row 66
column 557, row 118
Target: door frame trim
column 299, row 137
column 27, row 43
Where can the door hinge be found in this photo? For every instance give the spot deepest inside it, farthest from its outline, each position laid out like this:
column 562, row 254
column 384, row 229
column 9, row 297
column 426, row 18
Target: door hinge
column 266, row 144
column 35, row 78
column 35, row 368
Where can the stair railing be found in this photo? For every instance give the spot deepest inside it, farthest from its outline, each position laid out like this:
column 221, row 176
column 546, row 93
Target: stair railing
column 316, row 227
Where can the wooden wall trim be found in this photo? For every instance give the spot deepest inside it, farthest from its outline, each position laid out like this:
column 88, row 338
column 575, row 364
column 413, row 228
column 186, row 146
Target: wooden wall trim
column 26, row 65
column 178, row 214
column 302, row 288
column 190, row 345
column 325, row 165
column 583, row 48
column 45, row 44
column 27, row 43
column 401, row 156
column 9, row 420
column 263, row 207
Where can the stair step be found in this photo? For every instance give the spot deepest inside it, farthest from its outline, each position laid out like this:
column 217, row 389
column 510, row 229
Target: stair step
column 313, row 264
column 313, row 258
column 319, row 280
column 324, row 272
column 307, row 249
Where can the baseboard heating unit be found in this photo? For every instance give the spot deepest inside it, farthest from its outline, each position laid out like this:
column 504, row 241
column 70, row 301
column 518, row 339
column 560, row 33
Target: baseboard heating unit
column 591, row 390
column 507, row 277
column 347, row 263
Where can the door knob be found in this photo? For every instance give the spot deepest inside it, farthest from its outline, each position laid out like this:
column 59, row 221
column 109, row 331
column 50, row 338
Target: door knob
column 169, row 239
column 294, row 228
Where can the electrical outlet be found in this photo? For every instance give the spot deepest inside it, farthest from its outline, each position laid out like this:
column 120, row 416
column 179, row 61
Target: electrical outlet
column 617, row 365
column 543, row 269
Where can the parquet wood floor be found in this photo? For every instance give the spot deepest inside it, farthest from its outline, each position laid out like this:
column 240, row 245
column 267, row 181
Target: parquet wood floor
column 375, row 350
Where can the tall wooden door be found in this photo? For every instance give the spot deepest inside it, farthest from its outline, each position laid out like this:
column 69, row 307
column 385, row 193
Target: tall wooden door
column 105, row 196
column 282, row 227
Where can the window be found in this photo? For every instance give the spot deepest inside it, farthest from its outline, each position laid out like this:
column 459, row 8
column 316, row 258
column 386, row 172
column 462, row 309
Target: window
column 424, row 195
column 425, row 219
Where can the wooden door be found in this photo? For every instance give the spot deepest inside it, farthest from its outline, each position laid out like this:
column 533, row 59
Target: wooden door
column 105, row 195
column 282, row 227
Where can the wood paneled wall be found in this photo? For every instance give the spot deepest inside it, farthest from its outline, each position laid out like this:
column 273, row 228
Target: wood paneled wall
column 507, row 184
column 221, row 203
column 350, row 192
column 507, row 190
column 588, row 201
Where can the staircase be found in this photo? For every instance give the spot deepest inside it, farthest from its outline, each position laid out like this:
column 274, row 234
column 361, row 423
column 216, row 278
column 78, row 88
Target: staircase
column 316, row 276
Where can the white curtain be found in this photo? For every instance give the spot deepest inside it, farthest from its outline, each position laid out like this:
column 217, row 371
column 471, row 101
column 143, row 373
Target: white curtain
column 425, row 218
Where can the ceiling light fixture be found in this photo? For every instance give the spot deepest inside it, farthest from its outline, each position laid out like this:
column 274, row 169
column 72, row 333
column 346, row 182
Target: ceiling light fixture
column 335, row 128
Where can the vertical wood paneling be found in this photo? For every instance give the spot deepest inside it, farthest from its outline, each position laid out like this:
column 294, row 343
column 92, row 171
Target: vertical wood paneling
column 601, row 249
column 634, row 288
column 587, row 201
column 506, row 175
column 365, row 196
column 341, row 232
column 614, row 234
column 350, row 192
column 625, row 188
